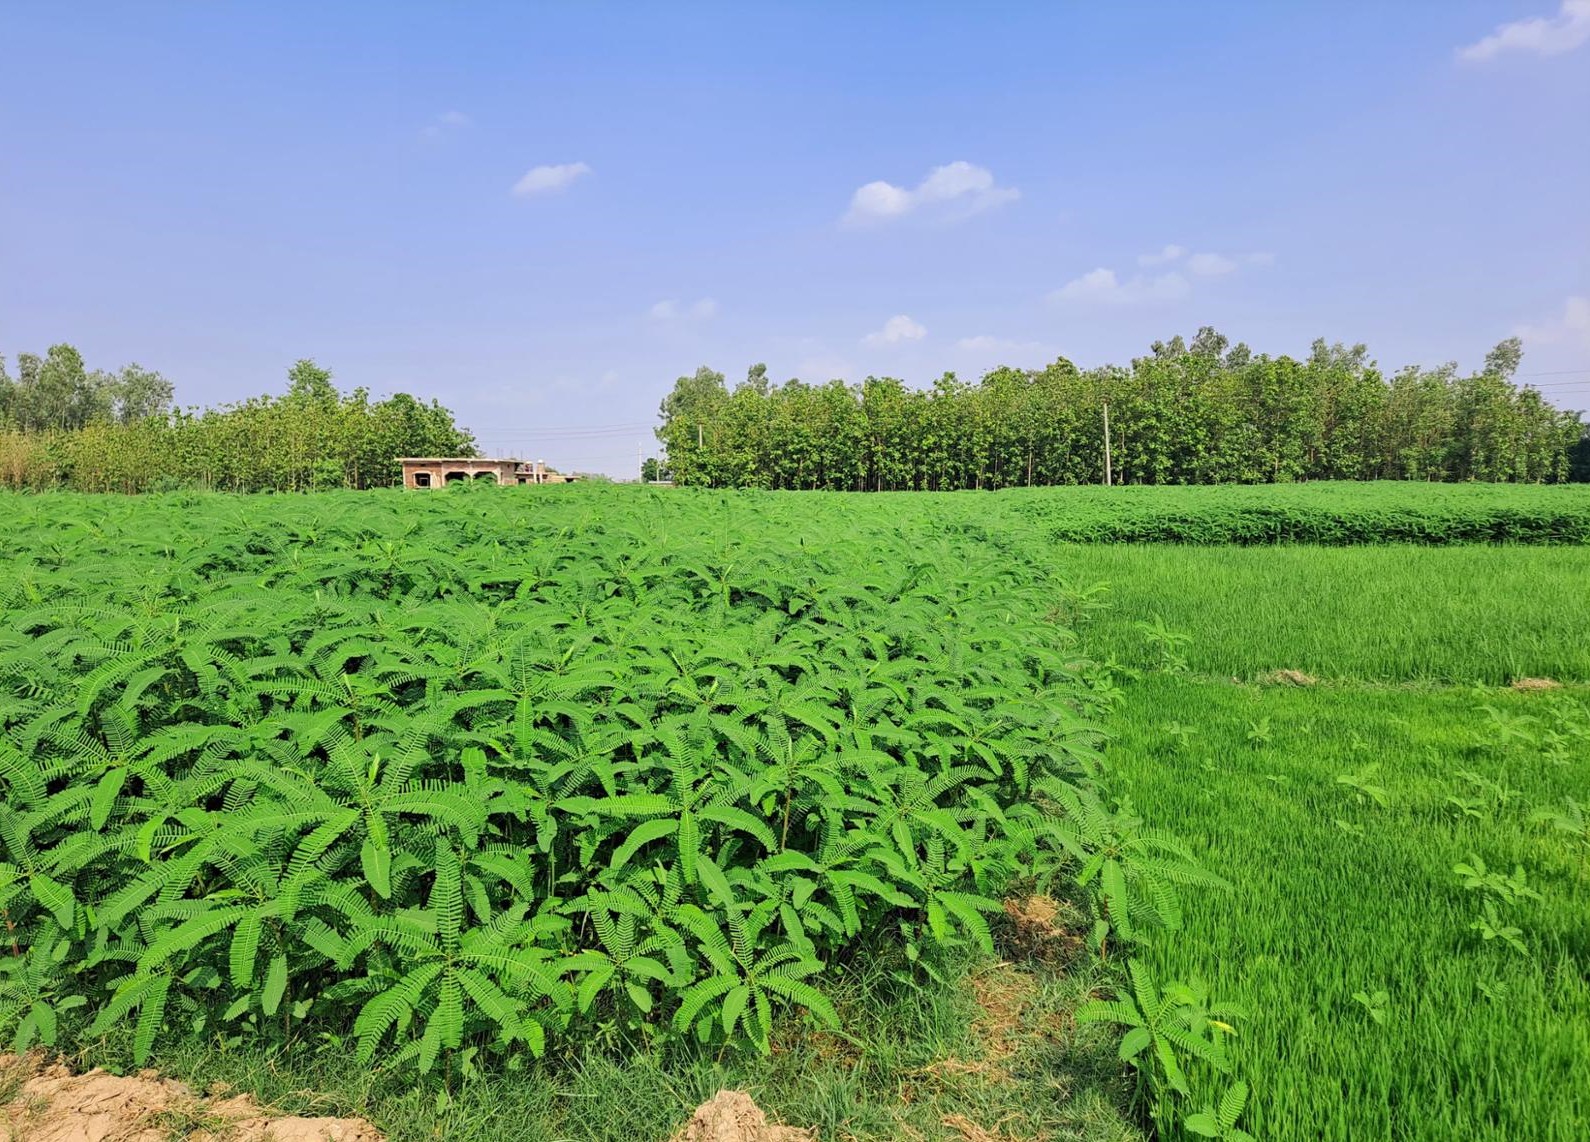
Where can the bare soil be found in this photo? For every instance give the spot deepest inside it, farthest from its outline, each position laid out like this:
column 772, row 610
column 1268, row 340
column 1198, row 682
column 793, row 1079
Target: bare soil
column 46, row 1102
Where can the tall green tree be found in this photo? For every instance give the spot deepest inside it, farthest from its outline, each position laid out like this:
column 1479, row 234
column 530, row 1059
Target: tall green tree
column 1204, row 412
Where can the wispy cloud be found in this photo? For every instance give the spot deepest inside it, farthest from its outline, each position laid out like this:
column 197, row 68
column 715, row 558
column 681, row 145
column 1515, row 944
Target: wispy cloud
column 440, row 126
column 954, row 190
column 1167, row 254
column 1570, row 327
column 1104, row 286
column 671, row 309
column 1538, row 35
column 1211, row 265
column 549, row 179
column 898, row 328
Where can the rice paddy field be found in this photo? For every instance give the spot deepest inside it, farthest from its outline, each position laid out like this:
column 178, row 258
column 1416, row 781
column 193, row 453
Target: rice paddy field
column 1366, row 819
column 534, row 813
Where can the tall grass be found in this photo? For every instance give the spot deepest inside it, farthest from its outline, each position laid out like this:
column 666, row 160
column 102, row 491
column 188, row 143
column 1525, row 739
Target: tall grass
column 1385, row 614
column 1335, row 896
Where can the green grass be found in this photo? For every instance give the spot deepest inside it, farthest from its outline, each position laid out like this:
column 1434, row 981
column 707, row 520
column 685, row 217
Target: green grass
column 1388, row 614
column 1334, row 894
column 906, row 1059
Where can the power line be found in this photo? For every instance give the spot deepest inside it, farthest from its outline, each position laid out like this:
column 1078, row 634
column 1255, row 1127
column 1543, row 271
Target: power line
column 631, row 426
column 544, row 433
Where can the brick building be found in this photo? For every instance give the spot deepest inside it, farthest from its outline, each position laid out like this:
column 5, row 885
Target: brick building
column 435, row 471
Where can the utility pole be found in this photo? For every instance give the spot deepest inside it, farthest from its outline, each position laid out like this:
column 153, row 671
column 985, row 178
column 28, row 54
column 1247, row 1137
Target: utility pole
column 640, row 460
column 699, row 443
column 1106, row 442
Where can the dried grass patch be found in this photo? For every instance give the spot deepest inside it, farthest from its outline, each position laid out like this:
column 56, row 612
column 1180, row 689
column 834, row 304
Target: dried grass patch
column 1042, row 928
column 972, row 1132
column 1536, row 684
column 1287, row 678
column 1003, row 994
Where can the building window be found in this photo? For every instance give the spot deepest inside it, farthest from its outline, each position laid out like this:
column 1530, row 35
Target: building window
column 422, row 479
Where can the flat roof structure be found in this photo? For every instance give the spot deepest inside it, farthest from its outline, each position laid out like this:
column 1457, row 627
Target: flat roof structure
column 438, row 471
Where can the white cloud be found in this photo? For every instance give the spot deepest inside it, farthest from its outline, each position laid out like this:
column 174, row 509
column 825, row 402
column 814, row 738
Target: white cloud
column 1102, row 286
column 898, row 328
column 672, row 310
column 956, row 189
column 1168, row 254
column 1210, row 265
column 1539, row 35
column 1571, row 327
column 549, row 179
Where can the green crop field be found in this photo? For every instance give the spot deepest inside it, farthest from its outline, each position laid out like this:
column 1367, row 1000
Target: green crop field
column 543, row 813
column 1380, row 1004
column 1322, row 512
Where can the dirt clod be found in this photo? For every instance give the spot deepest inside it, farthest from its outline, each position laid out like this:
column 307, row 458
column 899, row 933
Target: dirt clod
column 731, row 1116
column 51, row 1104
column 1536, row 684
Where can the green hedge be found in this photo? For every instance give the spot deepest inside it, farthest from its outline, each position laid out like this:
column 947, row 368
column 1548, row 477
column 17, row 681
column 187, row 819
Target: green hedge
column 1323, row 513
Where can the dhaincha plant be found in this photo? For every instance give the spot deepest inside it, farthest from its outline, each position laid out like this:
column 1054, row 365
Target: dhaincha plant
column 442, row 780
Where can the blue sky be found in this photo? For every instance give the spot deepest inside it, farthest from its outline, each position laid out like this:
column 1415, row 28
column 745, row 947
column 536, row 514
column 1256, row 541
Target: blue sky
column 541, row 215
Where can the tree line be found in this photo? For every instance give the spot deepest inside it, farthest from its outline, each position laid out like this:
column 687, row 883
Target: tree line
column 1208, row 412
column 65, row 426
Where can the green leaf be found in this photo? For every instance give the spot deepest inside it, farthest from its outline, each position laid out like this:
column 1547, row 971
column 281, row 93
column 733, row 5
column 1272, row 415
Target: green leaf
column 376, row 861
column 105, row 794
column 55, row 897
column 1134, row 1042
column 733, row 1006
column 275, row 984
column 640, row 997
column 43, row 1016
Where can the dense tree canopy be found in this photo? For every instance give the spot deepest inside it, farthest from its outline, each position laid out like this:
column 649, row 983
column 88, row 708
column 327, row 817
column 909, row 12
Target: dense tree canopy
column 57, row 391
column 1204, row 413
column 62, row 425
